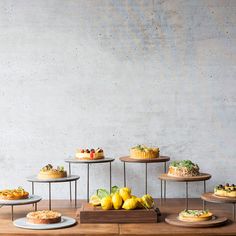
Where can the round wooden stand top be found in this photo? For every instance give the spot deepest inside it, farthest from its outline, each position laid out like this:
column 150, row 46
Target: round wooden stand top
column 216, row 221
column 150, row 160
column 78, row 161
column 211, row 197
column 201, row 177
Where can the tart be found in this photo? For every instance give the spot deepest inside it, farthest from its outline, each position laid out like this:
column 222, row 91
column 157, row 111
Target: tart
column 48, row 172
column 195, row 215
column 184, row 168
column 43, row 217
column 13, row 194
column 225, row 190
column 89, row 154
column 144, row 152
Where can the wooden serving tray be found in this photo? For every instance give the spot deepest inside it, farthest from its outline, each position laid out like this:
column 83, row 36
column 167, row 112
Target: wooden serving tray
column 91, row 214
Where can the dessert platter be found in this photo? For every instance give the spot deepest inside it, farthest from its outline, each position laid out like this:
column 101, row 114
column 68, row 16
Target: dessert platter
column 18, row 196
column 45, row 219
column 184, row 171
column 90, row 156
column 50, row 175
column 146, row 155
column 119, row 206
column 222, row 194
column 195, row 219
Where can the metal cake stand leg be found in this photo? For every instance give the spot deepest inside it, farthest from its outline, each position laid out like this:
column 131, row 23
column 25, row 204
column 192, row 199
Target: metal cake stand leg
column 165, row 181
column 49, row 194
column 12, row 213
column 75, row 193
column 70, row 182
column 161, row 190
column 234, row 211
column 32, row 189
column 88, row 182
column 186, row 196
column 204, row 188
column 145, row 178
column 124, row 176
column 35, row 207
column 110, row 177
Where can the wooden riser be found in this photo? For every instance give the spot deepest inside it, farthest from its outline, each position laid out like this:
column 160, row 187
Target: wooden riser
column 90, row 214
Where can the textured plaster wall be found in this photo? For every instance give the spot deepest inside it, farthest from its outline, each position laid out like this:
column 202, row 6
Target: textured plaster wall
column 115, row 74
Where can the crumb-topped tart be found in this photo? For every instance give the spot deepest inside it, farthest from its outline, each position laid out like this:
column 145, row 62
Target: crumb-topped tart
column 13, row 194
column 144, row 152
column 185, row 168
column 89, row 154
column 225, row 190
column 48, row 172
column 43, row 217
column 195, row 215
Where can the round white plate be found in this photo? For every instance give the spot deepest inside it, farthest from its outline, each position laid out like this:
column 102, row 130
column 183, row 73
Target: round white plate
column 29, row 200
column 65, row 222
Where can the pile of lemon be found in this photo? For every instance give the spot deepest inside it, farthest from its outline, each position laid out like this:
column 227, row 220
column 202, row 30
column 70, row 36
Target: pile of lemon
column 121, row 198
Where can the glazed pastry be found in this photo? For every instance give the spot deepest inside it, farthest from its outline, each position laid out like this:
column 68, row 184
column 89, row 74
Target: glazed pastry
column 144, row 152
column 48, row 172
column 89, row 154
column 184, row 168
column 225, row 190
column 43, row 217
column 195, row 215
column 13, row 194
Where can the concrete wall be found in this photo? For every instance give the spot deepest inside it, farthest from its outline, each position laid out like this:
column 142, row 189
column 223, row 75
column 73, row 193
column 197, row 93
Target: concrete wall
column 115, row 74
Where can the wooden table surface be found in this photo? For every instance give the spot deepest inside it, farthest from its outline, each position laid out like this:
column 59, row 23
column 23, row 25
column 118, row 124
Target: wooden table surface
column 170, row 206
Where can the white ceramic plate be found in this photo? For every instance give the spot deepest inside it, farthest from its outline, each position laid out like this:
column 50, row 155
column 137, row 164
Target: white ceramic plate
column 30, row 199
column 65, row 222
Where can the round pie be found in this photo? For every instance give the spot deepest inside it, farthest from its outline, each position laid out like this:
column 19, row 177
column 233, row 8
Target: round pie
column 144, row 152
column 44, row 217
column 13, row 194
column 195, row 215
column 48, row 172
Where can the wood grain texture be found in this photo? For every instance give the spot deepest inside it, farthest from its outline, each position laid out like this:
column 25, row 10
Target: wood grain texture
column 216, row 221
column 211, row 197
column 168, row 207
column 151, row 160
column 90, row 214
column 201, row 177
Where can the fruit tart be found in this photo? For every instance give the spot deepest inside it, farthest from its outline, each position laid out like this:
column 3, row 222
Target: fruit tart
column 195, row 215
column 144, row 152
column 89, row 154
column 43, row 217
column 13, row 194
column 225, row 190
column 185, row 168
column 48, row 172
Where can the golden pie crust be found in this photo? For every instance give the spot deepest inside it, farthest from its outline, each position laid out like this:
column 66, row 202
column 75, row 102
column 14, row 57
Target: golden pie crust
column 44, row 217
column 13, row 194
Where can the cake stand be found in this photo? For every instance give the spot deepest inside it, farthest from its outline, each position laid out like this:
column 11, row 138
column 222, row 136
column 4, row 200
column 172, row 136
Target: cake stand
column 32, row 199
column 88, row 162
column 201, row 177
column 70, row 178
column 211, row 197
column 160, row 159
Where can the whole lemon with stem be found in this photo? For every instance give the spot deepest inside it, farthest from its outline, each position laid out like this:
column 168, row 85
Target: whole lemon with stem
column 125, row 193
column 117, row 201
column 106, row 203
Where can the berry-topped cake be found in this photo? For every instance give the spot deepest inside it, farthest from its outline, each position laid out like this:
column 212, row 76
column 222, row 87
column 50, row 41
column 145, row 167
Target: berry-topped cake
column 48, row 172
column 144, row 152
column 89, row 154
column 225, row 190
column 184, row 168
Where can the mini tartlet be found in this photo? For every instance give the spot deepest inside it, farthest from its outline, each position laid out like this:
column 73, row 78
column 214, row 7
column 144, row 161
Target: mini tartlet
column 48, row 172
column 195, row 215
column 89, row 154
column 185, row 168
column 43, row 217
column 144, row 152
column 13, row 194
column 225, row 190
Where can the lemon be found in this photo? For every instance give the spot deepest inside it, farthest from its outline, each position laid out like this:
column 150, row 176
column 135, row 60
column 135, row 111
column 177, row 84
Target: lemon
column 148, row 201
column 117, row 201
column 95, row 200
column 106, row 203
column 141, row 204
column 130, row 204
column 125, row 193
